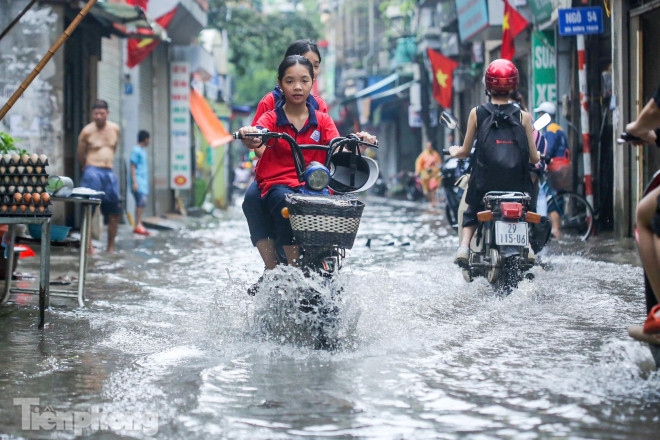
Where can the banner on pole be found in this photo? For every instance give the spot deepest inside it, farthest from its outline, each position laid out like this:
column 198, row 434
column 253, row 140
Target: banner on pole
column 544, row 68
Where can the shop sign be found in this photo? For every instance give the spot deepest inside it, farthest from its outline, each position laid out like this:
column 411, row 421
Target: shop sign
column 542, row 10
column 580, row 21
column 472, row 17
column 544, row 67
column 415, row 117
column 180, row 163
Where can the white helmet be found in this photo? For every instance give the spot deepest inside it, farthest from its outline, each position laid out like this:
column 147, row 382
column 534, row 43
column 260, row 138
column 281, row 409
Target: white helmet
column 546, row 107
column 345, row 179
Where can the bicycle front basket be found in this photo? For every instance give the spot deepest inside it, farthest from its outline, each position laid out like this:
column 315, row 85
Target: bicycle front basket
column 323, row 220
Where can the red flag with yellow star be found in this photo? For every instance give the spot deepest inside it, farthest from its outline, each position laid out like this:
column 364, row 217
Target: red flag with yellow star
column 443, row 74
column 512, row 25
column 139, row 49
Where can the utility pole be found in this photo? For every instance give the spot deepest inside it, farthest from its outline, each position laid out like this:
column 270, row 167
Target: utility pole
column 428, row 132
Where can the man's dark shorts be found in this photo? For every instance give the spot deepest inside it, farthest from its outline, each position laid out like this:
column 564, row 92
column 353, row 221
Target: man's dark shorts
column 140, row 199
column 104, row 179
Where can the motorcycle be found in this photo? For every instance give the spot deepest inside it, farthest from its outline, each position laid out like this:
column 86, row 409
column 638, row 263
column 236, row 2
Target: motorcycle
column 636, row 331
column 414, row 191
column 324, row 225
column 452, row 170
column 500, row 247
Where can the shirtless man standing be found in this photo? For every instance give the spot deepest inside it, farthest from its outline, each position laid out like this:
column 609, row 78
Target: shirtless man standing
column 97, row 145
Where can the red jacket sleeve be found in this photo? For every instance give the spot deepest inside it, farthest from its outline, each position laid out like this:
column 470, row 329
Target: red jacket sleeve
column 328, row 128
column 266, row 104
column 323, row 106
column 269, row 121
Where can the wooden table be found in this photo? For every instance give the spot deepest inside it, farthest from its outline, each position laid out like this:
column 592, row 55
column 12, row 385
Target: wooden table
column 44, row 266
column 44, row 290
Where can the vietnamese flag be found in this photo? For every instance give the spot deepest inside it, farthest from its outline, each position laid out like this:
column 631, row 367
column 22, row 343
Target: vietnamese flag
column 140, row 3
column 443, row 74
column 137, row 50
column 512, row 25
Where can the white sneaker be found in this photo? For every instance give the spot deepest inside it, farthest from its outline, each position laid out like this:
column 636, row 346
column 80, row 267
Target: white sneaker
column 462, row 255
column 531, row 256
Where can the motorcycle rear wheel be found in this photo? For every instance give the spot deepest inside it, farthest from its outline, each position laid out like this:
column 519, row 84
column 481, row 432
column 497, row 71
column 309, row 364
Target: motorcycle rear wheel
column 493, row 274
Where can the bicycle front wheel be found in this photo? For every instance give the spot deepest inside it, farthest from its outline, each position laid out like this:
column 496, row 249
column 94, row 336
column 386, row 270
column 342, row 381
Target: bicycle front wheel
column 576, row 216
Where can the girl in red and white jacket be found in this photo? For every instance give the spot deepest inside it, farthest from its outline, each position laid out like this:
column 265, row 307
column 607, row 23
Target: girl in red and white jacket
column 276, row 173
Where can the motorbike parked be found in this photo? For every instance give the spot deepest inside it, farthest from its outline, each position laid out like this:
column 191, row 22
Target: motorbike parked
column 637, row 331
column 500, row 247
column 414, row 190
column 324, row 225
column 452, row 170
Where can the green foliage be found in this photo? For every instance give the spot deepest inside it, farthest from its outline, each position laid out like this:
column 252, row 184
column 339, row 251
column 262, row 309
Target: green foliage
column 407, row 7
column 261, row 81
column 8, row 144
column 258, row 41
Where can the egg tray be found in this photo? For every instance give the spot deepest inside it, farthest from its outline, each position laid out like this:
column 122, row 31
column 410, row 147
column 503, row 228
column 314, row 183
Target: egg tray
column 25, row 171
column 24, row 191
column 21, row 163
column 3, row 178
column 47, row 211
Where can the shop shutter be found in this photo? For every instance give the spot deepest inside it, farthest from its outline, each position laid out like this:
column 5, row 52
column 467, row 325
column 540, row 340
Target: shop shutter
column 160, row 139
column 146, row 119
column 109, row 76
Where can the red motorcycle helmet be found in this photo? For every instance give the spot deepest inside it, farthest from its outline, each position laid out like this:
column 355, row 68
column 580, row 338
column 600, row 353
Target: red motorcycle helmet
column 502, row 77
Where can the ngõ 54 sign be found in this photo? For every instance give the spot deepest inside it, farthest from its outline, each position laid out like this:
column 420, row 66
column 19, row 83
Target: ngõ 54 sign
column 580, row 21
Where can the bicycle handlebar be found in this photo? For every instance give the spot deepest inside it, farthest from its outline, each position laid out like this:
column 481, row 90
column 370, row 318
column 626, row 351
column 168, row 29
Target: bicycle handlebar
column 351, row 142
column 626, row 137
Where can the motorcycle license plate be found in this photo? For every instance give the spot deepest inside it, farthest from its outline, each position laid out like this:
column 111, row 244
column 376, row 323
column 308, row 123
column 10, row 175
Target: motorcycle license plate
column 511, row 234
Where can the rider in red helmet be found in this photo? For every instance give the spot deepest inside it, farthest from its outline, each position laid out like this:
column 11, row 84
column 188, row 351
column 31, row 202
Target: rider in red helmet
column 501, row 81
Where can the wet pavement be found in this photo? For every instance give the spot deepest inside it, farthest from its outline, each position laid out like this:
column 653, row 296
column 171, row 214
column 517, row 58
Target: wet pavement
column 170, row 346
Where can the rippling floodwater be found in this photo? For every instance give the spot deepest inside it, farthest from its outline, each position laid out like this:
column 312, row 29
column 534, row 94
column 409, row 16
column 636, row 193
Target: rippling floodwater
column 170, row 342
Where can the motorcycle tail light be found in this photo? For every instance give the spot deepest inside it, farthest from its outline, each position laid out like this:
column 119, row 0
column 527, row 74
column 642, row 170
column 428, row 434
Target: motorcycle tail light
column 485, row 216
column 532, row 217
column 512, row 210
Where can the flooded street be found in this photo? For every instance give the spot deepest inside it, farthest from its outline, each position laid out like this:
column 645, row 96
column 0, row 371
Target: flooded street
column 171, row 346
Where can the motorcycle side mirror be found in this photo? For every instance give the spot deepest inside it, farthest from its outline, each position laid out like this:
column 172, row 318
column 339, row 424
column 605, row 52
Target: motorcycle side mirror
column 542, row 122
column 448, row 120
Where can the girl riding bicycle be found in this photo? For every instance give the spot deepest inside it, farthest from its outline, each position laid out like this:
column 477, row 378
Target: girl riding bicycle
column 253, row 207
column 276, row 174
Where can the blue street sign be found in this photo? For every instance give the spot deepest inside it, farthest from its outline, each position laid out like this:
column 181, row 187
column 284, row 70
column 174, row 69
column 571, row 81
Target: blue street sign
column 580, row 21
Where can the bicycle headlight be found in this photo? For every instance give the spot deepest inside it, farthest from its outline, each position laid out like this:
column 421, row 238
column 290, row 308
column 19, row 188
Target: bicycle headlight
column 317, row 176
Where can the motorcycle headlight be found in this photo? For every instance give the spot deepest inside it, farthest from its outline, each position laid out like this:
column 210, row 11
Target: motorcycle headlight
column 317, row 176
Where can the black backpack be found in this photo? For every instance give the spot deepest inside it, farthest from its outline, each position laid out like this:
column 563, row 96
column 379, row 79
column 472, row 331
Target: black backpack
column 501, row 158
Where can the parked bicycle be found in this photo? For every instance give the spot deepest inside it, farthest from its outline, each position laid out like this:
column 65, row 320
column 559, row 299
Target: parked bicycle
column 576, row 216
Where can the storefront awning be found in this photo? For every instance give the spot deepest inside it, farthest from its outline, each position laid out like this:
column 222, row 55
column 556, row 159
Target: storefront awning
column 391, row 93
column 380, row 86
column 382, row 100
column 209, row 124
column 127, row 20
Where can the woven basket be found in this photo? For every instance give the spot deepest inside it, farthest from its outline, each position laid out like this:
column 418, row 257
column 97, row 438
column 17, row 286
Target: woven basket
column 324, row 220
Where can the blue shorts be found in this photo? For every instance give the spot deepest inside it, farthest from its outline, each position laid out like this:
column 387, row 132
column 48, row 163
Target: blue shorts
column 104, row 179
column 140, row 199
column 273, row 203
column 254, row 211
